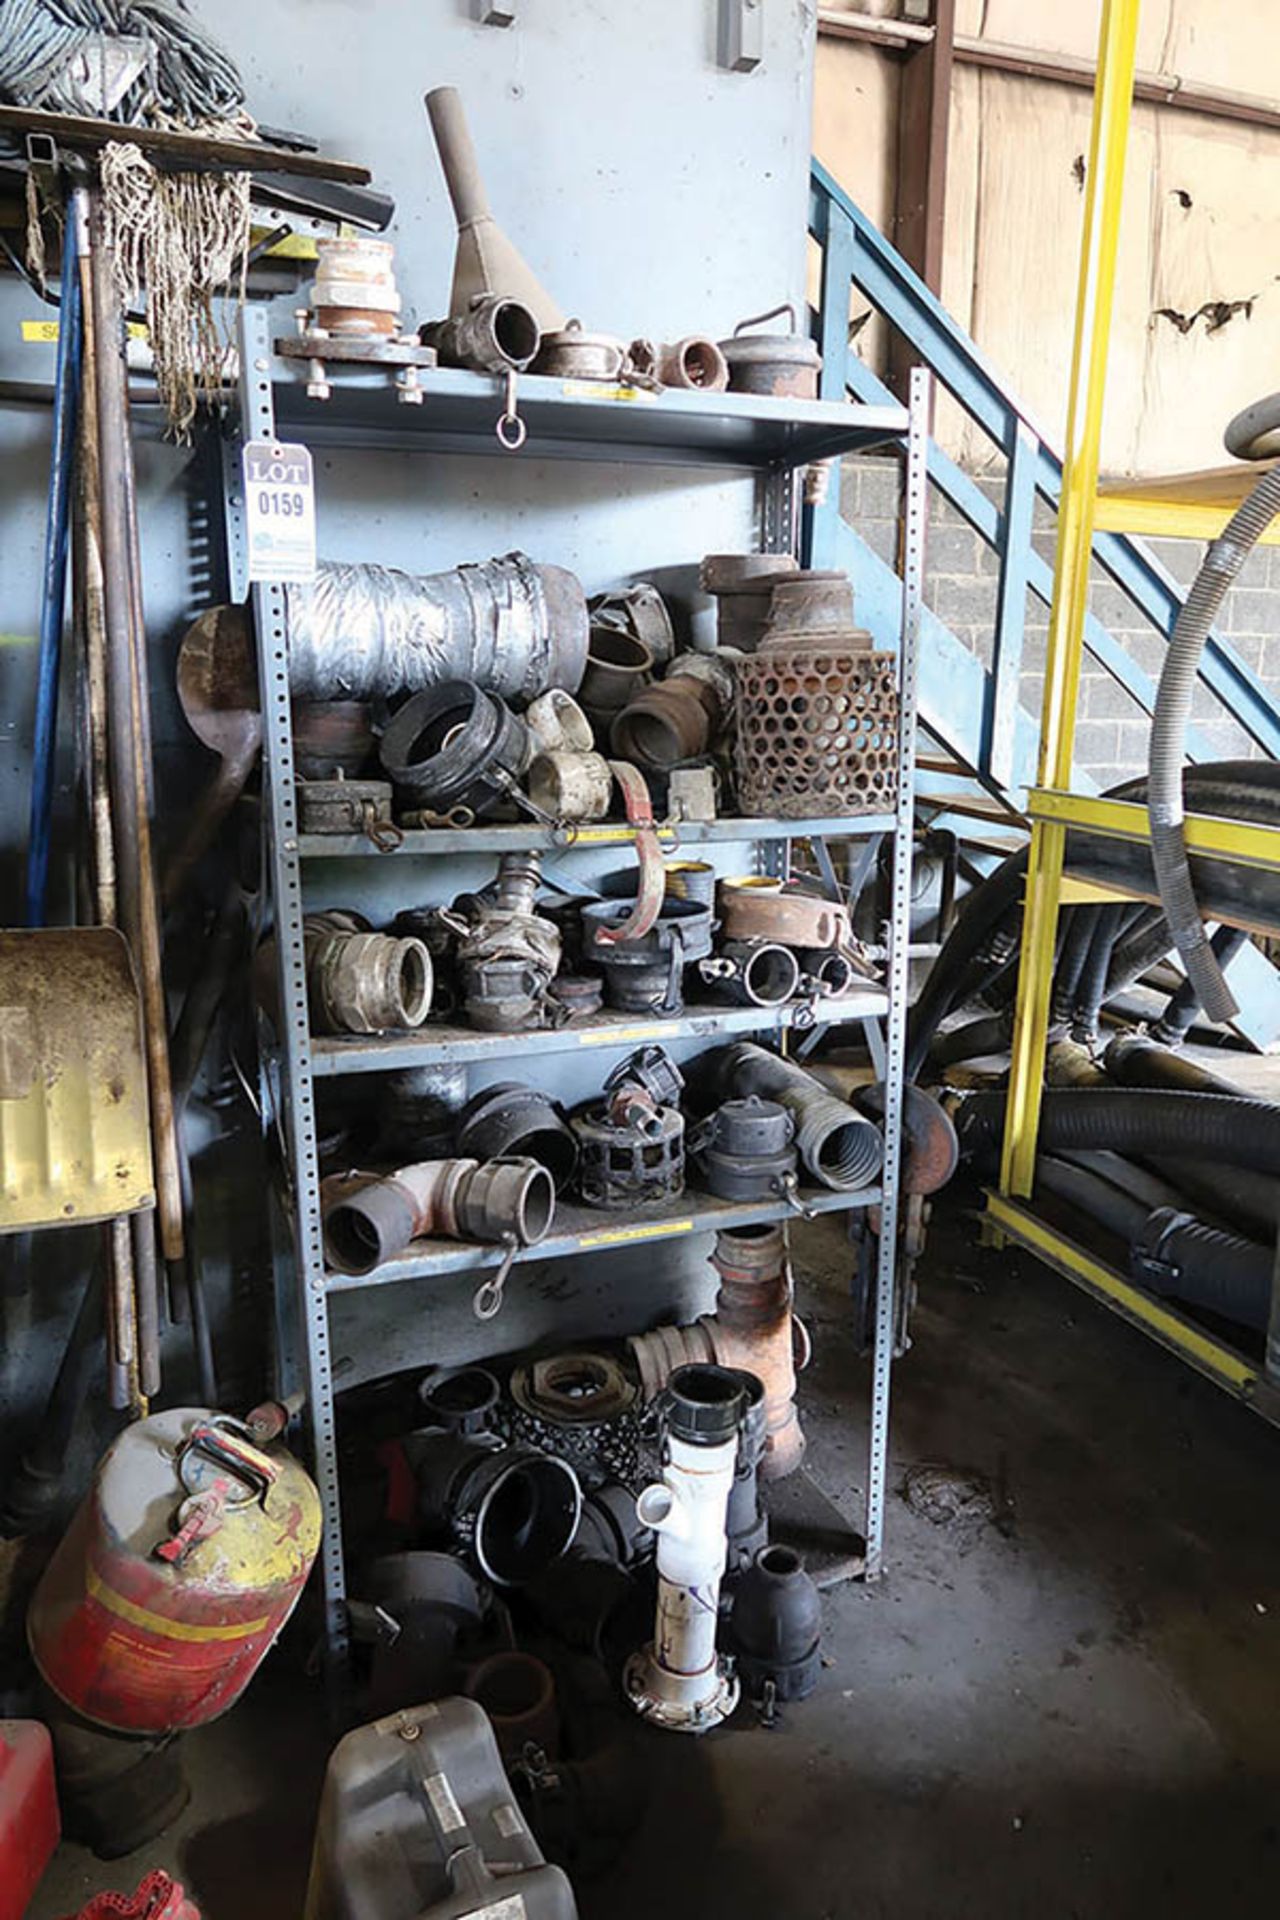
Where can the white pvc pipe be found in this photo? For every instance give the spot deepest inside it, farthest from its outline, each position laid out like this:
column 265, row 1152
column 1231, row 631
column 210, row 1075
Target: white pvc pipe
column 678, row 1681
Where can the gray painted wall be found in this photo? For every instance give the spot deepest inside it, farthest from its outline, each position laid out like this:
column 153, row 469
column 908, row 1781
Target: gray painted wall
column 653, row 192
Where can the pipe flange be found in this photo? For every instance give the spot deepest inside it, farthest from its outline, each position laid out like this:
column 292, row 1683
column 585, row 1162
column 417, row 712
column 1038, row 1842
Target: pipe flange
column 680, row 1703
column 574, row 1389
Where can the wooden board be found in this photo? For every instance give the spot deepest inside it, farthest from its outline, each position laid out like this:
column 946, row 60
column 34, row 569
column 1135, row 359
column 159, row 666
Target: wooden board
column 1201, row 228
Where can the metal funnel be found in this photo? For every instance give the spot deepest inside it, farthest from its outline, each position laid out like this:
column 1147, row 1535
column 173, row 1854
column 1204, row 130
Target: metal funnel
column 486, row 261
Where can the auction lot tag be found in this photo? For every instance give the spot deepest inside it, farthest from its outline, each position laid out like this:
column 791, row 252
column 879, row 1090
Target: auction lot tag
column 279, row 511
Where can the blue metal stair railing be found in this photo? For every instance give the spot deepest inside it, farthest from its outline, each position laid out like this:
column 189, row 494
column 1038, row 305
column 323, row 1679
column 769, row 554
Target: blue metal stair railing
column 977, row 714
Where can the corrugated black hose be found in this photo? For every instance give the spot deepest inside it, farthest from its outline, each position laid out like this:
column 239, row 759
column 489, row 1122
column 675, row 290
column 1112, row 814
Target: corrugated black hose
column 1137, row 1123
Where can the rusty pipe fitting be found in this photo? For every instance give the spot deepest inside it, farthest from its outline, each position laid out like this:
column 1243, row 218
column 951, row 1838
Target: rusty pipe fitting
column 752, row 1328
column 493, row 334
column 695, row 361
column 369, row 1218
column 676, row 718
column 617, row 664
column 658, row 1353
column 571, row 786
column 363, row 982
column 764, row 909
column 753, row 973
column 509, row 954
column 742, row 586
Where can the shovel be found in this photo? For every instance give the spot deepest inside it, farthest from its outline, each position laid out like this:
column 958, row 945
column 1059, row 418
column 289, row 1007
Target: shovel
column 218, row 691
column 75, row 1144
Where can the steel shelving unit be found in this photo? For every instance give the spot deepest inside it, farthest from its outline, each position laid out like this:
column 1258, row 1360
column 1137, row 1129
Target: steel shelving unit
column 729, row 432
column 1189, row 505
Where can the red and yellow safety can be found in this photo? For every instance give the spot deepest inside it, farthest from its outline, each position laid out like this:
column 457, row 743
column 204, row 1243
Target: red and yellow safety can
column 176, row 1575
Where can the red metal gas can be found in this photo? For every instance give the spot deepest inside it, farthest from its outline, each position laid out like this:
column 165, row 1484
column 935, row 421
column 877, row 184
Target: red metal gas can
column 176, row 1574
column 29, row 1824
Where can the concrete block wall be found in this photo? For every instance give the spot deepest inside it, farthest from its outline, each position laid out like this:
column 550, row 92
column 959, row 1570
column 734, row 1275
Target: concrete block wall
column 961, row 577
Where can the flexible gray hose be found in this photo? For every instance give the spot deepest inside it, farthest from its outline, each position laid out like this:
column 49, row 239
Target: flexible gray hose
column 836, row 1145
column 1222, row 563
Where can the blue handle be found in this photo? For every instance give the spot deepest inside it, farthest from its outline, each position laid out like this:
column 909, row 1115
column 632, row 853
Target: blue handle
column 66, row 407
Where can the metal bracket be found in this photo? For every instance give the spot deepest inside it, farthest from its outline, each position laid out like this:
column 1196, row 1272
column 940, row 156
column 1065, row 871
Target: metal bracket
column 494, row 13
column 741, row 35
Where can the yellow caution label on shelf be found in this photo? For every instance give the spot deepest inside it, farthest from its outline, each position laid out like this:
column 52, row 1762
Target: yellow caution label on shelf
column 612, row 836
column 44, row 333
column 623, row 1036
column 619, row 1236
column 600, row 390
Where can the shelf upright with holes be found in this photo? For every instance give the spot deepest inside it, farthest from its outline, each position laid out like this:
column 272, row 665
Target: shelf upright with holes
column 735, row 433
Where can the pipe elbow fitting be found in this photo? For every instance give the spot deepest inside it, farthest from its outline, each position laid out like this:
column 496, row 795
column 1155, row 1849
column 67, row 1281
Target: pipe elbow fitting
column 660, row 1508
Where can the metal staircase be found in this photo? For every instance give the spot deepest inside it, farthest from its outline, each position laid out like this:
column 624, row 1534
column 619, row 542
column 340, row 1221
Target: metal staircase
column 984, row 738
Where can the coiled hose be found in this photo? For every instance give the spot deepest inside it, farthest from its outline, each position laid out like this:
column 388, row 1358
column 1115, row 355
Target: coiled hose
column 1165, row 804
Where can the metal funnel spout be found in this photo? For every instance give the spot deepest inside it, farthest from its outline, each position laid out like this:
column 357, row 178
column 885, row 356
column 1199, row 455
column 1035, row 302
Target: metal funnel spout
column 486, row 262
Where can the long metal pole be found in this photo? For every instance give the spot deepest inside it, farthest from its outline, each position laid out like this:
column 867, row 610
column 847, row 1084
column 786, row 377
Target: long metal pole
column 123, row 1390
column 136, row 879
column 1112, row 106
column 887, row 1252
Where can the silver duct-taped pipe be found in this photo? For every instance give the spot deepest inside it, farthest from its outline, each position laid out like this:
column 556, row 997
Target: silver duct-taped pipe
column 508, row 625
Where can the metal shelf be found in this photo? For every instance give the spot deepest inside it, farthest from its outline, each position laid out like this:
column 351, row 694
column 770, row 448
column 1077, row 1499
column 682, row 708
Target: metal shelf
column 576, row 419
column 432, row 841
column 580, row 1229
column 385, row 1053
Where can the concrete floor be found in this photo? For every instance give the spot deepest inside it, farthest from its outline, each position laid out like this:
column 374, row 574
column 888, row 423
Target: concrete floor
column 1066, row 1707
